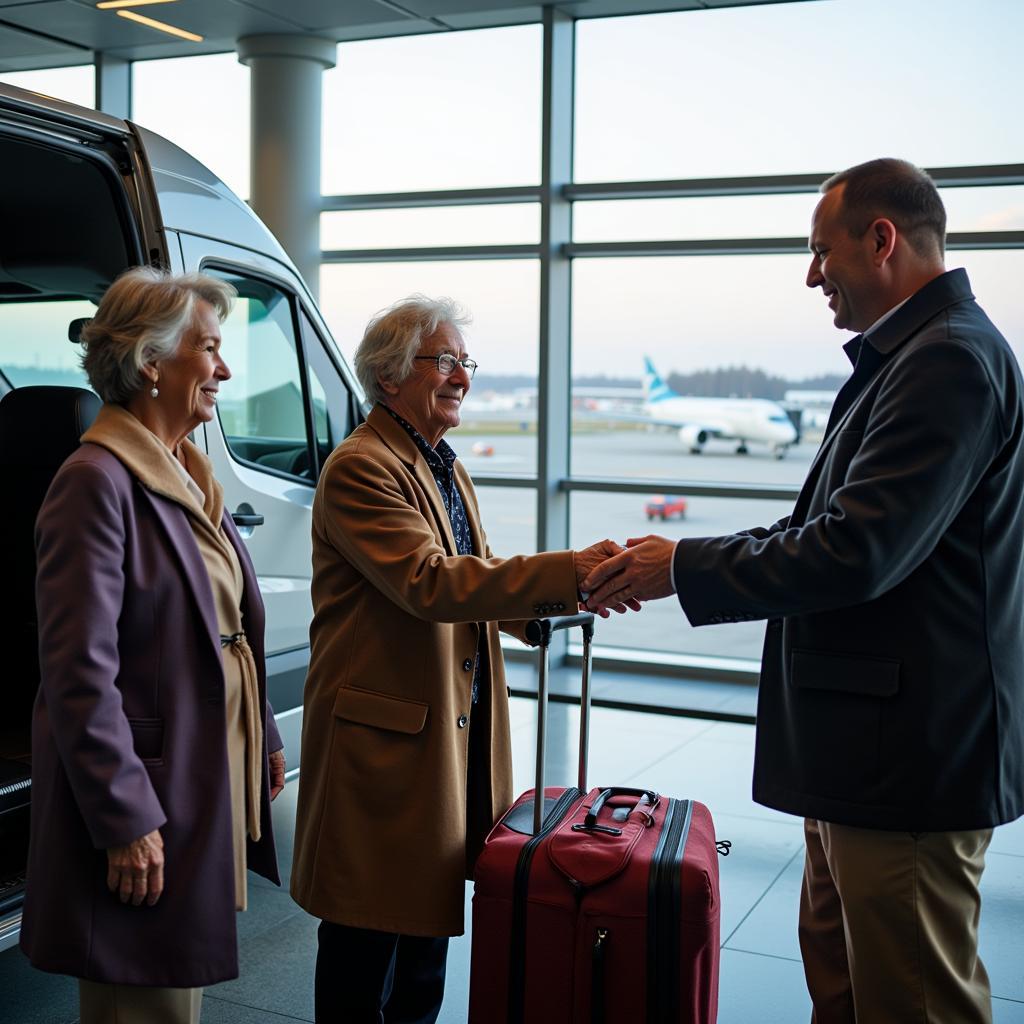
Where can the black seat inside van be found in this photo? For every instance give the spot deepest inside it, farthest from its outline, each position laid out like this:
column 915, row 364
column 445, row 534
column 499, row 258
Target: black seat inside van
column 39, row 428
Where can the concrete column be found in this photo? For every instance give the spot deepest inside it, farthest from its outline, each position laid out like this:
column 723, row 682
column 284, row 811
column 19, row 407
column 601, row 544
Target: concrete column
column 286, row 91
column 113, row 85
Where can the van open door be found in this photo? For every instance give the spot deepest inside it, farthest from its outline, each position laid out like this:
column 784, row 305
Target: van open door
column 76, row 209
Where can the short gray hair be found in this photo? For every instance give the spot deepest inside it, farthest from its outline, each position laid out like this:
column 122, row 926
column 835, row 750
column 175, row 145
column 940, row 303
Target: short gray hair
column 394, row 335
column 899, row 191
column 141, row 319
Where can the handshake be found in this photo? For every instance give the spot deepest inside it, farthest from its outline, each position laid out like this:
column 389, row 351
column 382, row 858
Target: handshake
column 615, row 578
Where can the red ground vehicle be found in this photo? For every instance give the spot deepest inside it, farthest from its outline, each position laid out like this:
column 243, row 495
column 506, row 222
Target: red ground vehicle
column 663, row 506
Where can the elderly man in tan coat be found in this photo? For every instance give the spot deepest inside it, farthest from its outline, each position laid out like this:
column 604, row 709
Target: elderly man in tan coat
column 406, row 756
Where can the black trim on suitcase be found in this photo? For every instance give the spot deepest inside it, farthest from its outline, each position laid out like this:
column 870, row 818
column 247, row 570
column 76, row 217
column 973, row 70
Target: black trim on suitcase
column 520, row 891
column 664, row 906
column 597, row 963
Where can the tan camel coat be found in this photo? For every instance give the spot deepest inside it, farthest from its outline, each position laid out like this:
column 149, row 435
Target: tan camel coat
column 381, row 832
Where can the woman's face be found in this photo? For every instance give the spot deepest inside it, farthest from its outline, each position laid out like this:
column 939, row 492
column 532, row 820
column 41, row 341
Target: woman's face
column 189, row 380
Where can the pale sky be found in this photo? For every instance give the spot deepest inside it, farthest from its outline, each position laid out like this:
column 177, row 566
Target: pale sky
column 807, row 87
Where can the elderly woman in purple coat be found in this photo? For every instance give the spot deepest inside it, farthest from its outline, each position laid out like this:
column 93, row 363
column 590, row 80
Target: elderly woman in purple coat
column 155, row 753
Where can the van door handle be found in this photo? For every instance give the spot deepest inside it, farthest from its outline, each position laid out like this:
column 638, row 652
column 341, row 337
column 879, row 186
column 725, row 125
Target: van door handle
column 246, row 518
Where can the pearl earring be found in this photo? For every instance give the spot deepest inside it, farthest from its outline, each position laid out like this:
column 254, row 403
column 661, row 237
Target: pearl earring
column 154, row 391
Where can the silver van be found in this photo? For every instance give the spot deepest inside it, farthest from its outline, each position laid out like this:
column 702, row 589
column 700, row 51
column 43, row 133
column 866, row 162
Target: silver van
column 82, row 197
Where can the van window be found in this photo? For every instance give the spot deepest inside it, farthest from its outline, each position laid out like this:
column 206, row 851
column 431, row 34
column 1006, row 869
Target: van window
column 333, row 404
column 65, row 234
column 34, row 345
column 263, row 407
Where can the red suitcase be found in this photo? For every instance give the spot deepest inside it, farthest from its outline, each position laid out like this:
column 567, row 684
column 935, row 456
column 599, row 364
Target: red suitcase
column 607, row 911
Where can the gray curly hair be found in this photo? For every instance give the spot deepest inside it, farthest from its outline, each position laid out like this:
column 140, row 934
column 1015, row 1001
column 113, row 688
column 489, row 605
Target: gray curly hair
column 394, row 335
column 141, row 319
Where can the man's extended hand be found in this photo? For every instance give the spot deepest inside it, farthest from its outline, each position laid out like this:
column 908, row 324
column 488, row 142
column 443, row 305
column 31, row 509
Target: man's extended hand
column 587, row 560
column 642, row 572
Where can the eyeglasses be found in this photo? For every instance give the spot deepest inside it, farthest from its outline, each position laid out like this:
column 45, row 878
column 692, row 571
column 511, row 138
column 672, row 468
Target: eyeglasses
column 446, row 364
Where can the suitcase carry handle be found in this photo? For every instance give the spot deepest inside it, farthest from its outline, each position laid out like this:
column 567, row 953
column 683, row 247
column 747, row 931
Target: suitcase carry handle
column 648, row 799
column 538, row 633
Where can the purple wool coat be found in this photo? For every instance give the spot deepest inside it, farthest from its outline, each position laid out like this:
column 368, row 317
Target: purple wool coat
column 129, row 735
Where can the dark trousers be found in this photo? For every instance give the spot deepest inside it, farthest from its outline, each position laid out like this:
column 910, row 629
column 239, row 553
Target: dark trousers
column 371, row 977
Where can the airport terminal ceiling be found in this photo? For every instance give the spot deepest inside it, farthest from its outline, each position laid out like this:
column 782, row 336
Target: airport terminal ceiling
column 59, row 33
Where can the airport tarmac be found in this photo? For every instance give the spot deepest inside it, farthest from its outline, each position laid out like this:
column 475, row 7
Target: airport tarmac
column 509, row 515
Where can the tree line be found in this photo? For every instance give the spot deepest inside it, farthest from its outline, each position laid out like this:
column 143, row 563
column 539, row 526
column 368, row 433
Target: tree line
column 745, row 382
column 725, row 382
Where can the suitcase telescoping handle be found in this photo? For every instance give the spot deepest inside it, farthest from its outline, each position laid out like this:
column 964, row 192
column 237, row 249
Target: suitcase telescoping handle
column 538, row 633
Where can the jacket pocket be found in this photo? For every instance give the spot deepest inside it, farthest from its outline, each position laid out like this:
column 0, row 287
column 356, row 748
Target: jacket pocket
column 366, row 707
column 148, row 739
column 872, row 677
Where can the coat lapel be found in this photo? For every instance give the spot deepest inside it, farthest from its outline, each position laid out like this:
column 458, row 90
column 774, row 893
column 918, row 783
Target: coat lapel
column 402, row 445
column 174, row 520
column 429, row 485
column 837, row 428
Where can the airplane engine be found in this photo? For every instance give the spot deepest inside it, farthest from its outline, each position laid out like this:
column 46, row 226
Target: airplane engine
column 694, row 438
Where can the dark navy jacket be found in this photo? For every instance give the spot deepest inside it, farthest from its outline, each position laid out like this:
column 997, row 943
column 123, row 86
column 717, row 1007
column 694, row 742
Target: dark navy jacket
column 892, row 683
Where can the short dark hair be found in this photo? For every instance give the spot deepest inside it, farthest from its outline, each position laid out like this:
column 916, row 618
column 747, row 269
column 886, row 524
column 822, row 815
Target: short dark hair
column 898, row 190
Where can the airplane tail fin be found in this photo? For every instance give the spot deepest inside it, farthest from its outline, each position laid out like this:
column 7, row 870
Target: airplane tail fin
column 655, row 389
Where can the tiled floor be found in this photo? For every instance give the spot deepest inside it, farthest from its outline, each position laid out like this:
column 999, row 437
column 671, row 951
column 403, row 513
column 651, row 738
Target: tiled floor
column 761, row 977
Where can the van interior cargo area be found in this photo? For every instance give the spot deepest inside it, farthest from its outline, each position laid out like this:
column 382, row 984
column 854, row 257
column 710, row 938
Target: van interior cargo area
column 64, row 228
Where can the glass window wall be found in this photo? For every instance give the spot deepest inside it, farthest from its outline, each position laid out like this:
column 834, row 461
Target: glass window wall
column 202, row 105
column 73, row 85
column 661, row 626
column 789, row 88
column 720, row 93
column 513, row 224
column 500, row 410
column 451, row 110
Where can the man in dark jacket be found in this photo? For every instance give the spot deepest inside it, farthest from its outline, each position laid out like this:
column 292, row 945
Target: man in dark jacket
column 891, row 706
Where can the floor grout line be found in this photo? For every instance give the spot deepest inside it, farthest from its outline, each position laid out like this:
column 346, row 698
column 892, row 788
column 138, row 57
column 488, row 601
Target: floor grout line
column 757, row 903
column 669, row 753
column 261, row 1009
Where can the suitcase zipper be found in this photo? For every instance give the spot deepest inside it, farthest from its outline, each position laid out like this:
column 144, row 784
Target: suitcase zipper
column 520, row 890
column 599, row 952
column 664, row 913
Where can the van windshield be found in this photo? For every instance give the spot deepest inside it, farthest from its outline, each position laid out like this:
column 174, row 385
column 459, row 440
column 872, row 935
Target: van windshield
column 34, row 345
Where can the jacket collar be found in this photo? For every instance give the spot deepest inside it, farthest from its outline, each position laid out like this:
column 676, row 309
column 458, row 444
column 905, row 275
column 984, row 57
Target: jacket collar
column 151, row 463
column 392, row 434
column 394, row 437
column 938, row 294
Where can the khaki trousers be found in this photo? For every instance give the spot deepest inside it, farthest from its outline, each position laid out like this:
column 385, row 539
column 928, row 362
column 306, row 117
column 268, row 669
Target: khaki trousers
column 137, row 1004
column 889, row 926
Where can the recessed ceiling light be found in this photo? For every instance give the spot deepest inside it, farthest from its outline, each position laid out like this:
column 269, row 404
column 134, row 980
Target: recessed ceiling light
column 109, row 5
column 160, row 26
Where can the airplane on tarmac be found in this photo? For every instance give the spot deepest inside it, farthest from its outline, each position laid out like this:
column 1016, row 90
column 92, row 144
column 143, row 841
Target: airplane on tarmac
column 698, row 420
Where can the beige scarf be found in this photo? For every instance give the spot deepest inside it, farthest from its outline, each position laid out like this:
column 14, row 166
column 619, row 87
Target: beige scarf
column 153, row 465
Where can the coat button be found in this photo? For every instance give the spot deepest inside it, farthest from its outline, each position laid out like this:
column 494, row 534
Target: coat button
column 467, row 665
column 463, row 721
